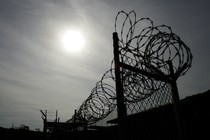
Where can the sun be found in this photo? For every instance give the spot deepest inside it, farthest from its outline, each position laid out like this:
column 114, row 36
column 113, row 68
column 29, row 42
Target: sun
column 73, row 41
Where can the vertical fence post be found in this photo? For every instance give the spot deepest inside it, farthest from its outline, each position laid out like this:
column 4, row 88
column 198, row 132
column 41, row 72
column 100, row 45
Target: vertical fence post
column 176, row 102
column 121, row 108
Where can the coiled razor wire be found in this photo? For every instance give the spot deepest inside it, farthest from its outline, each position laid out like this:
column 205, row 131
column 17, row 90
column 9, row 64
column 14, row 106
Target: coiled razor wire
column 100, row 103
column 149, row 48
column 146, row 47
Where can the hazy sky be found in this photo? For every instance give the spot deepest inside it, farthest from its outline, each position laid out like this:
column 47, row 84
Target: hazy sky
column 37, row 73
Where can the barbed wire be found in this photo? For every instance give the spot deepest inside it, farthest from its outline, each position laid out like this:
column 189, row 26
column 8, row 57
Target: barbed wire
column 142, row 46
column 149, row 48
column 100, row 103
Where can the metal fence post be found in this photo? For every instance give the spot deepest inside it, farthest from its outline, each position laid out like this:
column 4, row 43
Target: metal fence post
column 176, row 102
column 121, row 108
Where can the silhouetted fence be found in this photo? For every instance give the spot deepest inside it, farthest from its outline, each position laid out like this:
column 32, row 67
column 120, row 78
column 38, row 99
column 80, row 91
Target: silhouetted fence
column 148, row 60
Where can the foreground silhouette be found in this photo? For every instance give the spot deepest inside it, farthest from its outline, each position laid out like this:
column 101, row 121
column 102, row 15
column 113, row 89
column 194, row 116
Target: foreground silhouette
column 196, row 114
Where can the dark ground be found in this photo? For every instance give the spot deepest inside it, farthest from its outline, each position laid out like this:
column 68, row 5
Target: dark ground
column 35, row 135
column 196, row 116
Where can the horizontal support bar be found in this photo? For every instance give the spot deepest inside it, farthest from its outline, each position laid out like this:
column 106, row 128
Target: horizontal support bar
column 163, row 78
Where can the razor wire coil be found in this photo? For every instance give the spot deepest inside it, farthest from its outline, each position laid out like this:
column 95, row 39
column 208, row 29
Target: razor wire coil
column 144, row 46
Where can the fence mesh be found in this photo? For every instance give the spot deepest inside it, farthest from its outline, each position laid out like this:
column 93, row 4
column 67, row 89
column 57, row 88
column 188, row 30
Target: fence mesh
column 145, row 51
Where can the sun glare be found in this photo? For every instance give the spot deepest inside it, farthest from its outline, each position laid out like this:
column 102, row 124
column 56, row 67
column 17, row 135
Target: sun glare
column 72, row 41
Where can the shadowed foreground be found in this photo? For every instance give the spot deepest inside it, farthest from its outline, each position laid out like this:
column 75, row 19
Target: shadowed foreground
column 144, row 125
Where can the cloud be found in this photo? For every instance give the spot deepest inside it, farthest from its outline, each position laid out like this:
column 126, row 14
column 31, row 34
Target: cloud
column 36, row 73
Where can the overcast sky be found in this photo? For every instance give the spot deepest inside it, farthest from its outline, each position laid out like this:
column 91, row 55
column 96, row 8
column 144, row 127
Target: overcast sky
column 37, row 73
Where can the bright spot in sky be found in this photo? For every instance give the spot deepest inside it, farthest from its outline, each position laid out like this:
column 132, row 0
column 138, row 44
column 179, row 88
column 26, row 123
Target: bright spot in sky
column 73, row 41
